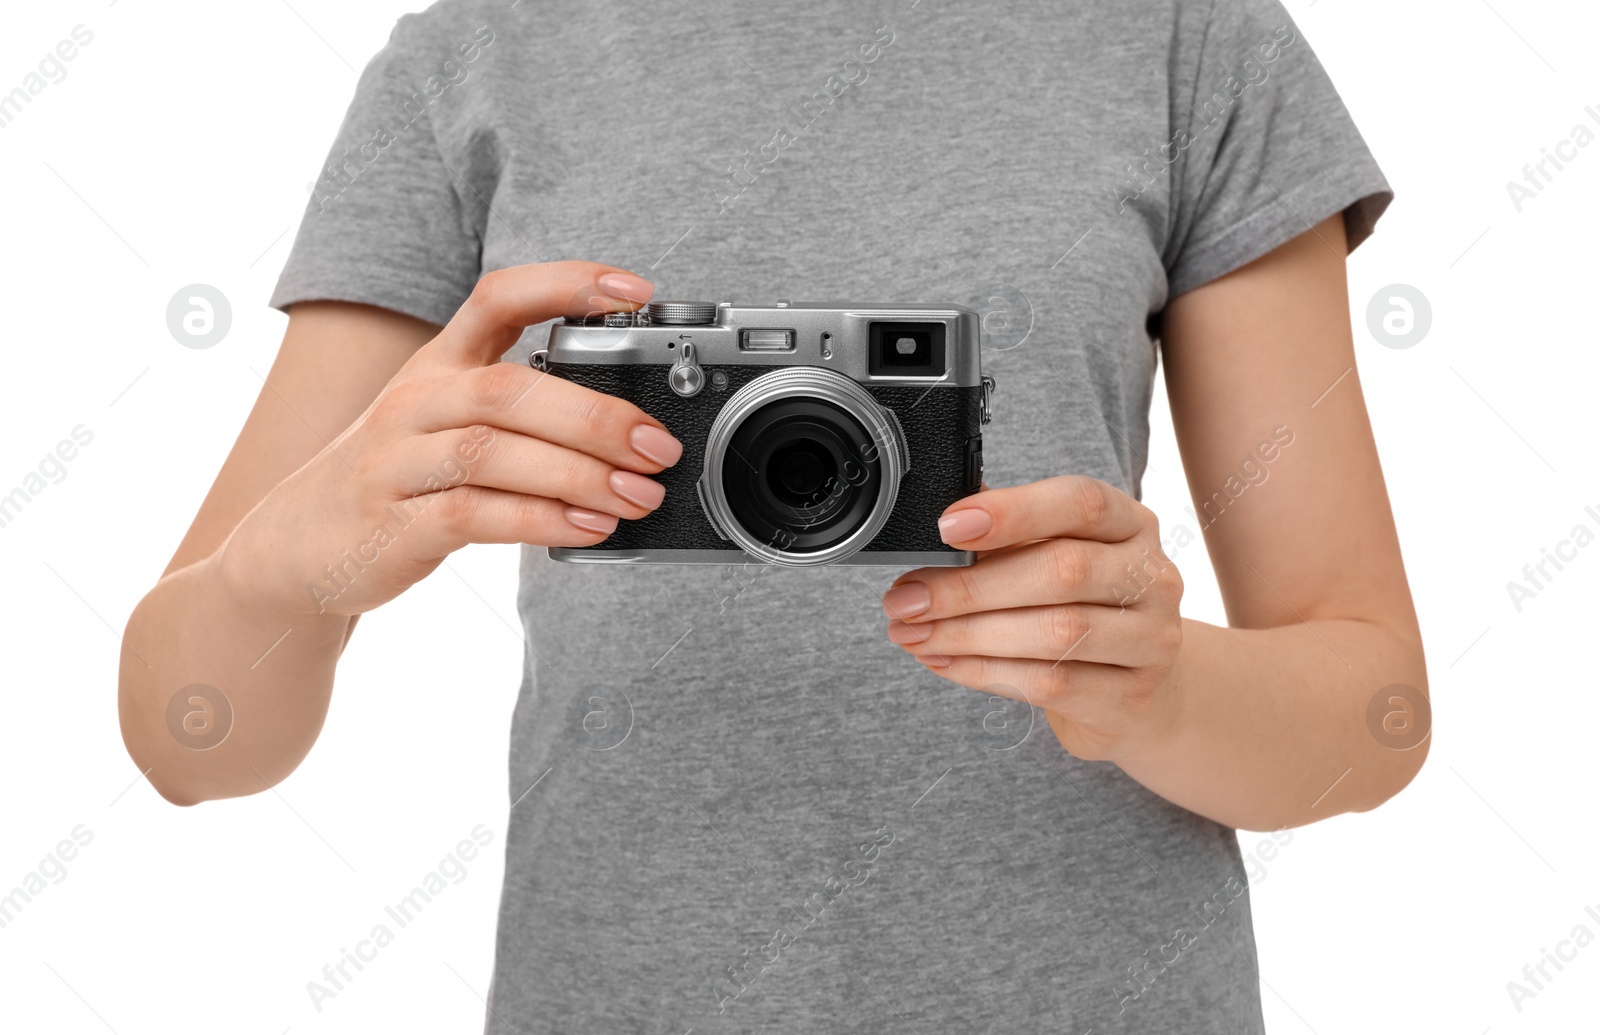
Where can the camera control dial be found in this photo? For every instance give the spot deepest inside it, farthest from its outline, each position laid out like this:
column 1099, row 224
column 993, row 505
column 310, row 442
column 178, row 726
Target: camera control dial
column 681, row 313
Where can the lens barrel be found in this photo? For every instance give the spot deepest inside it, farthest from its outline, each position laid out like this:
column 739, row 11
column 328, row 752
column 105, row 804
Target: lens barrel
column 802, row 466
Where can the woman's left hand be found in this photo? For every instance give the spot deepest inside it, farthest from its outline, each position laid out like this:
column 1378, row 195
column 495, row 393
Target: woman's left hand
column 1072, row 606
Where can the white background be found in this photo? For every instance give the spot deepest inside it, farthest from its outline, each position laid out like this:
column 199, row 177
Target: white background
column 176, row 151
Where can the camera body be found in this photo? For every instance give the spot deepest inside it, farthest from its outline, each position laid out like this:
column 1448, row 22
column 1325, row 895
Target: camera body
column 812, row 434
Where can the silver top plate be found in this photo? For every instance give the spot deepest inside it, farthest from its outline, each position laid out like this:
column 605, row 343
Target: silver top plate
column 831, row 336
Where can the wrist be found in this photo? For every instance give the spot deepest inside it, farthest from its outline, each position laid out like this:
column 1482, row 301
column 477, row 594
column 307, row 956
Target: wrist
column 254, row 587
column 1161, row 724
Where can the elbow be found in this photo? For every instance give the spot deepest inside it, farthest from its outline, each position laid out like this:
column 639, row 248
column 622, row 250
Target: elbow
column 1401, row 767
column 185, row 777
column 175, row 795
column 155, row 762
column 171, row 791
column 185, row 781
column 160, row 778
column 1399, row 720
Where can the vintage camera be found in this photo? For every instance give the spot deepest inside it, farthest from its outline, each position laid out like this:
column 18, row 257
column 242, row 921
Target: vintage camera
column 812, row 434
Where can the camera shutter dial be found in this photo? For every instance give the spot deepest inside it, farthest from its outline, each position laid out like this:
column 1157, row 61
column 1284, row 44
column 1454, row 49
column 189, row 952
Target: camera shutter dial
column 682, row 313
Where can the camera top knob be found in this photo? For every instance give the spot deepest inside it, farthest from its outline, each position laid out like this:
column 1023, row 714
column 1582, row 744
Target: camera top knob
column 681, row 313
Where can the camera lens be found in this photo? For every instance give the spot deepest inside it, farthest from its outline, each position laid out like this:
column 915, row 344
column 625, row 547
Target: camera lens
column 802, row 472
column 798, row 470
column 802, row 466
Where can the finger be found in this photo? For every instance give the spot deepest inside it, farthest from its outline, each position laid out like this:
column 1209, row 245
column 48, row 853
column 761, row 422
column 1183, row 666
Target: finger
column 498, row 459
column 528, row 402
column 1001, row 549
column 507, row 301
column 1087, row 693
column 1066, row 506
column 1082, row 632
column 1056, row 571
column 449, row 520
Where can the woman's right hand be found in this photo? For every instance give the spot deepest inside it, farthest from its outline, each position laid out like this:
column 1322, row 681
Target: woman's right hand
column 460, row 448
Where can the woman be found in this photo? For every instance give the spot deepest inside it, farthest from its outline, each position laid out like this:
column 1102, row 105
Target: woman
column 834, row 810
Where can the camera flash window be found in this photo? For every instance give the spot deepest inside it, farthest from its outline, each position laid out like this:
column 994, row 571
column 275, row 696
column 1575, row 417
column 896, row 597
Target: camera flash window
column 772, row 340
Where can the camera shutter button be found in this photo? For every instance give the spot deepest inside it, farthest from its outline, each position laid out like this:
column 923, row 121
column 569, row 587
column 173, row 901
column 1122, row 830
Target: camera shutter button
column 686, row 377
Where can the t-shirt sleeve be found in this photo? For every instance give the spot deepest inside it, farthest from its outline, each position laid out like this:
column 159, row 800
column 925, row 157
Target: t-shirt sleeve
column 385, row 224
column 1270, row 149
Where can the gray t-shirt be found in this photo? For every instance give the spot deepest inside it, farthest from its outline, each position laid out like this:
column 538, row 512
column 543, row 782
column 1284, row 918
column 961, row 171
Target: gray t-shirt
column 754, row 813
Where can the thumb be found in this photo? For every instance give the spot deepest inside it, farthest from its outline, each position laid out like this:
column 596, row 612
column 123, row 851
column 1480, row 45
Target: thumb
column 507, row 301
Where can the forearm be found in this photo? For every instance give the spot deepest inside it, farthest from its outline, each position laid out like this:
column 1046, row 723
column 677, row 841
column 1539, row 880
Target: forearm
column 1267, row 728
column 272, row 669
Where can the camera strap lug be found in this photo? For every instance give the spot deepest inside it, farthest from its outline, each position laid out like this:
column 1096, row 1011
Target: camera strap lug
column 539, row 360
column 985, row 406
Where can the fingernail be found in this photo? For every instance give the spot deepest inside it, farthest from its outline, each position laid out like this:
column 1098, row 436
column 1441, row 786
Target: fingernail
column 961, row 526
column 626, row 286
column 656, row 445
column 933, row 660
column 907, row 601
column 590, row 521
column 905, row 632
column 637, row 489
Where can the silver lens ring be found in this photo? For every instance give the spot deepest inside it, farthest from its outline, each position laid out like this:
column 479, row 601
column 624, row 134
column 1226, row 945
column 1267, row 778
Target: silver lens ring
column 803, row 383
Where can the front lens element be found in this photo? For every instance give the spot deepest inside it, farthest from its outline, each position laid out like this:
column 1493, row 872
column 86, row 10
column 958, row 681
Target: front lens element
column 812, row 476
